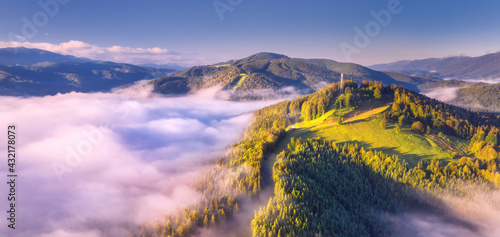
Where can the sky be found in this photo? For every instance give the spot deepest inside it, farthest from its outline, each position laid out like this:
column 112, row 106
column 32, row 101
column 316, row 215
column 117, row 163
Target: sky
column 194, row 32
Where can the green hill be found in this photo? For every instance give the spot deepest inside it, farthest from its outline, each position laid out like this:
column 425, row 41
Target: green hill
column 346, row 160
column 275, row 71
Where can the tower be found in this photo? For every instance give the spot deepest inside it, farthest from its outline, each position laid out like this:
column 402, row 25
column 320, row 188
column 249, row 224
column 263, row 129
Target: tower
column 341, row 82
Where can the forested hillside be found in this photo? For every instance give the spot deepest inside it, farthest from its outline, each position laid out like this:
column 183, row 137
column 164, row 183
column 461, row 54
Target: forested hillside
column 275, row 72
column 480, row 97
column 325, row 187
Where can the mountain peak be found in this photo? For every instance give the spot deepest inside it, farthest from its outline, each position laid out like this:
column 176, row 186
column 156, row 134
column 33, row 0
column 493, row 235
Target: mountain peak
column 260, row 56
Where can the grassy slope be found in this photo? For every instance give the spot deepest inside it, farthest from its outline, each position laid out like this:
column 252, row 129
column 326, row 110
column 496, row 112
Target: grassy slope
column 364, row 129
column 240, row 80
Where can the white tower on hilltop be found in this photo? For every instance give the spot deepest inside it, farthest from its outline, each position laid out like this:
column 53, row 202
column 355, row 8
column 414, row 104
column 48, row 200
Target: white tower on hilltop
column 341, row 82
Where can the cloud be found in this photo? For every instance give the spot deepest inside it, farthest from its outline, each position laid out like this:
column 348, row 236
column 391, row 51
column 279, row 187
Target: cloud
column 115, row 53
column 487, row 80
column 476, row 214
column 99, row 164
column 444, row 94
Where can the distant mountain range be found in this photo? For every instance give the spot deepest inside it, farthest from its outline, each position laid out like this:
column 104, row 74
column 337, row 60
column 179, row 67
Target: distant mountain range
column 482, row 67
column 163, row 66
column 25, row 56
column 35, row 72
column 276, row 71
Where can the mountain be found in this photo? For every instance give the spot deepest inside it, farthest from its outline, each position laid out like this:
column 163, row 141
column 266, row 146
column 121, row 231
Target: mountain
column 63, row 77
column 25, row 56
column 276, row 72
column 259, row 56
column 359, row 71
column 163, row 66
column 482, row 67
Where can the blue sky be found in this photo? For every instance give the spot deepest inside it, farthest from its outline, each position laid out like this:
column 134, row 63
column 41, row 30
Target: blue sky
column 193, row 32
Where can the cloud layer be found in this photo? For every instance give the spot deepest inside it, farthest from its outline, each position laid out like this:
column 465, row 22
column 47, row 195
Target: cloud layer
column 115, row 53
column 99, row 164
column 477, row 214
column 444, row 94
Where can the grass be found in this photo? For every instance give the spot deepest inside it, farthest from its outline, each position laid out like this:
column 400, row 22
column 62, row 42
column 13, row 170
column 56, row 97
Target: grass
column 222, row 65
column 329, row 117
column 365, row 130
column 241, row 79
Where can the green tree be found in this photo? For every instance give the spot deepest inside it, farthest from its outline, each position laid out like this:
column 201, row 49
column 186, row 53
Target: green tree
column 377, row 94
column 428, row 130
column 418, row 127
column 398, row 128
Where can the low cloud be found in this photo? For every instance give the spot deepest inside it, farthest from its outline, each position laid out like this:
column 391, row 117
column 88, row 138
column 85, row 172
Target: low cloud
column 444, row 94
column 99, row 164
column 477, row 214
column 477, row 80
column 115, row 53
column 289, row 92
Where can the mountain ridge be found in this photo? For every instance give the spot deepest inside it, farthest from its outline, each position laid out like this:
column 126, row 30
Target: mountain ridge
column 460, row 67
column 31, row 56
column 275, row 71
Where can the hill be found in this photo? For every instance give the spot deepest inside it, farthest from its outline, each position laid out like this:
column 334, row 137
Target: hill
column 481, row 97
column 378, row 152
column 476, row 96
column 50, row 78
column 26, row 56
column 276, row 72
column 482, row 67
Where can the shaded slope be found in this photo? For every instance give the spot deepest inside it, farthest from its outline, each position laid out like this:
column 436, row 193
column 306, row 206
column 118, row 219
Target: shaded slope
column 63, row 77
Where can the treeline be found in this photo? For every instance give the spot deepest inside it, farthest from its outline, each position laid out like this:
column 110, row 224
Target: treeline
column 325, row 190
column 425, row 114
column 352, row 96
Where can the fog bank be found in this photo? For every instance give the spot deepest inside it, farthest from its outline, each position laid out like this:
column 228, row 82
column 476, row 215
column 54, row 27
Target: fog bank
column 99, row 164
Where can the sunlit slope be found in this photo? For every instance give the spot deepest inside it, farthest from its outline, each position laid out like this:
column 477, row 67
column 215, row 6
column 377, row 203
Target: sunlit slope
column 362, row 127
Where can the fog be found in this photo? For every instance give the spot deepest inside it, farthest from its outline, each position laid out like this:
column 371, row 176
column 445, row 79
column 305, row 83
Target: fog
column 444, row 94
column 99, row 164
column 477, row 214
column 477, row 80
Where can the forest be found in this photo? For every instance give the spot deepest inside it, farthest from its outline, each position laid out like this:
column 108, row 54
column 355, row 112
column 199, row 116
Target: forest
column 325, row 189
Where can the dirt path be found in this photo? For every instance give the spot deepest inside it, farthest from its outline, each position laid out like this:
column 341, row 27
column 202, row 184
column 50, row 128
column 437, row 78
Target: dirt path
column 446, row 144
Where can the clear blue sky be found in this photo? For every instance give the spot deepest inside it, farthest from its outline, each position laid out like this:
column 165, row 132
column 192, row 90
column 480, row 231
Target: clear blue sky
column 309, row 29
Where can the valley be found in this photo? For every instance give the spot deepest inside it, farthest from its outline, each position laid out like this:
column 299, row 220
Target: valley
column 232, row 118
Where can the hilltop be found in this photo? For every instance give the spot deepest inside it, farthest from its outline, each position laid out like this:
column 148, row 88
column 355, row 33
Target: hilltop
column 276, row 72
